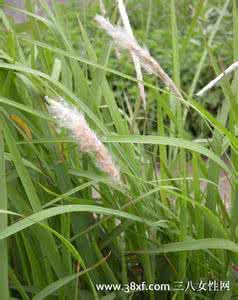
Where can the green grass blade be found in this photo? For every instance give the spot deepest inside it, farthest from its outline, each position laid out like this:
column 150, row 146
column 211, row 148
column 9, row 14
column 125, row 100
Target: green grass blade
column 22, row 171
column 17, row 285
column 4, row 290
column 205, row 53
column 168, row 141
column 53, row 287
column 194, row 245
column 25, row 108
column 47, row 213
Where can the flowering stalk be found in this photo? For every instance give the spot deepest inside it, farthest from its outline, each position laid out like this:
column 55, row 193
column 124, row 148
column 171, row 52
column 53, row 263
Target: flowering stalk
column 102, row 8
column 69, row 117
column 136, row 60
column 212, row 83
column 126, row 41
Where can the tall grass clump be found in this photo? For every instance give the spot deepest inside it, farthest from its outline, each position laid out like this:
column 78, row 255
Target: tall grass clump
column 99, row 189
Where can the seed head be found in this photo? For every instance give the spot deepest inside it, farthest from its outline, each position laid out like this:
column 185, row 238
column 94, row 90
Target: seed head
column 69, row 117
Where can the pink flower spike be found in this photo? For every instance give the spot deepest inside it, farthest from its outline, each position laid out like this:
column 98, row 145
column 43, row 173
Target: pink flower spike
column 69, row 117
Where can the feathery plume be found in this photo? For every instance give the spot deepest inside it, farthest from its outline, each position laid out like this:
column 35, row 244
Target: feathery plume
column 212, row 83
column 69, row 117
column 136, row 60
column 125, row 41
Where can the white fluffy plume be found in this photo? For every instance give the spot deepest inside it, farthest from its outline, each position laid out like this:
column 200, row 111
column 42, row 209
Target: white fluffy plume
column 126, row 41
column 69, row 117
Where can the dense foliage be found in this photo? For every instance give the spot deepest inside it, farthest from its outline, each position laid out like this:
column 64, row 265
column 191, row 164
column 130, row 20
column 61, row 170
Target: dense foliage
column 69, row 226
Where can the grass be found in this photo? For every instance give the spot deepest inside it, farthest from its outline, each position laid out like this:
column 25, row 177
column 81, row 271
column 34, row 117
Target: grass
column 3, row 221
column 64, row 225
